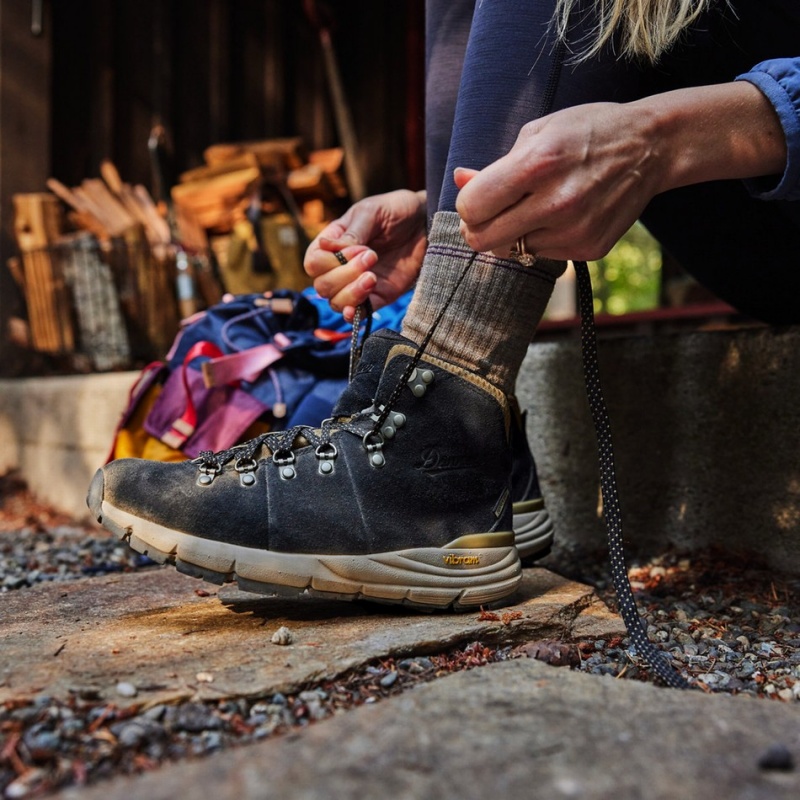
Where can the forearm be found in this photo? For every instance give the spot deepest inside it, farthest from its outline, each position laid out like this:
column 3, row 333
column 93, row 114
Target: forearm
column 727, row 131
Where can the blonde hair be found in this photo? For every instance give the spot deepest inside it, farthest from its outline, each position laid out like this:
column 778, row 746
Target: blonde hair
column 646, row 28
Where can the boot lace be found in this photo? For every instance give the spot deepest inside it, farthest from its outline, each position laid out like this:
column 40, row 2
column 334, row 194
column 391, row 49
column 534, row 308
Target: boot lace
column 281, row 445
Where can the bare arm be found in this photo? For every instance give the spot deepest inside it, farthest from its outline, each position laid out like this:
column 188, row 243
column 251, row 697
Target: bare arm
column 576, row 180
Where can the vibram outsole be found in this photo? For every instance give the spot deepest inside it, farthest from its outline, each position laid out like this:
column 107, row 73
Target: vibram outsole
column 458, row 578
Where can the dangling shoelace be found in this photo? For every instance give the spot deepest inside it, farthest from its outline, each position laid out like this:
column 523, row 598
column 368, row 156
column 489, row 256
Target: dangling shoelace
column 282, row 441
column 611, row 511
column 608, row 487
column 634, row 623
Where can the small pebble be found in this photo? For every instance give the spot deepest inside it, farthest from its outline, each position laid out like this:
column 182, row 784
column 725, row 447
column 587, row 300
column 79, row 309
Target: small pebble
column 282, row 636
column 125, row 689
column 25, row 785
column 777, row 757
column 388, row 680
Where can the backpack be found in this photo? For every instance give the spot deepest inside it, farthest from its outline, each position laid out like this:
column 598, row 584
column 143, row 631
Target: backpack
column 250, row 364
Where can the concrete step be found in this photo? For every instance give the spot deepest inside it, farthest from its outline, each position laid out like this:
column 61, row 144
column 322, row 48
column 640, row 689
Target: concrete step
column 705, row 425
column 706, row 430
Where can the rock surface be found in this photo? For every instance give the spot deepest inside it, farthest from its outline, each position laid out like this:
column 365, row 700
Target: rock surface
column 516, row 729
column 158, row 631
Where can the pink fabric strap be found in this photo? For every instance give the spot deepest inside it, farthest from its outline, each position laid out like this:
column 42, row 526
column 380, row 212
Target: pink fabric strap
column 246, row 365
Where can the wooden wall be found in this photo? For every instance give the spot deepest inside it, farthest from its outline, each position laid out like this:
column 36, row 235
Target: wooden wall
column 102, row 73
column 215, row 70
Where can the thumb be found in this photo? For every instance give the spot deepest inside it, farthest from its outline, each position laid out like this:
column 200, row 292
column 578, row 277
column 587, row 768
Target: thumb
column 462, row 176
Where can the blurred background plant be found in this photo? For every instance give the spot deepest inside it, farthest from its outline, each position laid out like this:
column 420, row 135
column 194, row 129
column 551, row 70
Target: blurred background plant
column 629, row 278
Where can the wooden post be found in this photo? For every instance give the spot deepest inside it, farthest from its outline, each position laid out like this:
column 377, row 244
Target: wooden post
column 37, row 225
column 25, row 61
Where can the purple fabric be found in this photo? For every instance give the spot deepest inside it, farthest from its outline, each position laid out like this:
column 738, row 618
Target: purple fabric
column 224, row 413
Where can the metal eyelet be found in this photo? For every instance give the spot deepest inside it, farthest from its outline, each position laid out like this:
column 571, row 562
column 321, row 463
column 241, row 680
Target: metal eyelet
column 393, row 421
column 373, row 444
column 419, row 380
column 208, row 473
column 285, row 464
column 326, row 453
column 246, row 467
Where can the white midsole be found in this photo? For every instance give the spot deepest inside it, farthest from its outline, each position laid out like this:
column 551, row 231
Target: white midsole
column 437, row 568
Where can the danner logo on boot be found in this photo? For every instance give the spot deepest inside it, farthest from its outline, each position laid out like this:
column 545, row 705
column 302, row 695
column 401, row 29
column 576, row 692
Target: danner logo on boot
column 432, row 460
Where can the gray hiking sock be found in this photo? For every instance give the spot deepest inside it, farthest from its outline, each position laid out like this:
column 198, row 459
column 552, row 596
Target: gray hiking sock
column 490, row 321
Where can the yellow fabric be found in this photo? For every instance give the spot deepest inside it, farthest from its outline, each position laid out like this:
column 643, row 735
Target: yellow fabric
column 133, row 441
column 282, row 245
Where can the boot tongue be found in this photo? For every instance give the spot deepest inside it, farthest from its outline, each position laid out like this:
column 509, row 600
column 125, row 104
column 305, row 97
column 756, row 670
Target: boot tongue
column 361, row 391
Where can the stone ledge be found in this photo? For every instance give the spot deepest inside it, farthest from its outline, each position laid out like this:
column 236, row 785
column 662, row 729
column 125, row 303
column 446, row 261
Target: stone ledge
column 518, row 729
column 58, row 431
column 706, row 437
column 152, row 628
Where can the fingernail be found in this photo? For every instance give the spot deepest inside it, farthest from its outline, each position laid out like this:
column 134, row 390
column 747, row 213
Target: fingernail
column 369, row 258
column 367, row 281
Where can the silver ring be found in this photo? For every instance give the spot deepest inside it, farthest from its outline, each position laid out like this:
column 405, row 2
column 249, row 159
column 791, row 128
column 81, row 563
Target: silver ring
column 521, row 254
column 340, row 257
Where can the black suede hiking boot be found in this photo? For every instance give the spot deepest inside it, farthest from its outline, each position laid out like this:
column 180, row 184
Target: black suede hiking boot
column 533, row 528
column 404, row 500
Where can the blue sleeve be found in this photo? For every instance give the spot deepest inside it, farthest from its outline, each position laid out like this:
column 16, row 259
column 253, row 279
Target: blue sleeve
column 779, row 80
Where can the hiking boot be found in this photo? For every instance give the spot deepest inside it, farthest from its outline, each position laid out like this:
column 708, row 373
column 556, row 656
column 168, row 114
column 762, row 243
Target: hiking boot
column 533, row 528
column 404, row 499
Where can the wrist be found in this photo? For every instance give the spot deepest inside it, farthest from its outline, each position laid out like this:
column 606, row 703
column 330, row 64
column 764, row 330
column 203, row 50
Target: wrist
column 726, row 131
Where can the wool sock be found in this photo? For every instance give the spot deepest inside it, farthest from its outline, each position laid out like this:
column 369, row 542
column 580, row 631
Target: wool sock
column 493, row 315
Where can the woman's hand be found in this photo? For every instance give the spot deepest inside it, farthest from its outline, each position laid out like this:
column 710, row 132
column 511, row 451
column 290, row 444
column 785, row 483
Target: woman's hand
column 576, row 180
column 383, row 238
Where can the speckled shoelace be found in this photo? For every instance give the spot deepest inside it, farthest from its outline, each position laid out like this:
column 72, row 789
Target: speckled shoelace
column 281, row 442
column 629, row 612
column 608, row 488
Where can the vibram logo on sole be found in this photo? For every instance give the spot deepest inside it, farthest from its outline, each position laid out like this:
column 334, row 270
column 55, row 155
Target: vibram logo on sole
column 451, row 559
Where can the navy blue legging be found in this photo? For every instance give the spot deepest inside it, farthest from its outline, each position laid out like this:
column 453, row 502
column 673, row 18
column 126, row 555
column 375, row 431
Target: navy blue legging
column 491, row 71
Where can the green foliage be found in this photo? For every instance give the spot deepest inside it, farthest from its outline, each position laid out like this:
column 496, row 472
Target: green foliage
column 629, row 277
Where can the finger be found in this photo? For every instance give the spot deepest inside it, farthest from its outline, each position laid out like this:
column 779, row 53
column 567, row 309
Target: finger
column 517, row 249
column 550, row 244
column 491, row 191
column 353, row 228
column 331, row 244
column 323, row 261
column 355, row 293
column 332, row 281
column 462, row 176
column 523, row 217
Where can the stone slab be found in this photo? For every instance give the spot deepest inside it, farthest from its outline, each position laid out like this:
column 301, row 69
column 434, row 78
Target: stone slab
column 152, row 629
column 518, row 729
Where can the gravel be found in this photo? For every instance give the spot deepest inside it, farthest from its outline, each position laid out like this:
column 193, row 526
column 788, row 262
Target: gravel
column 51, row 743
column 65, row 553
column 726, row 622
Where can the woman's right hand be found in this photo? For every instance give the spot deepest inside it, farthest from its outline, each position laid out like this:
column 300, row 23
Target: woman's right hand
column 383, row 238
